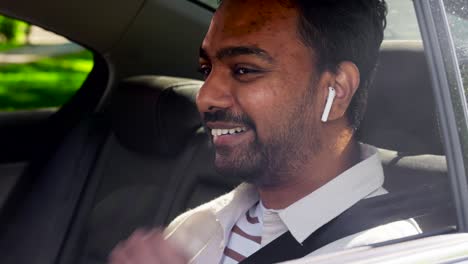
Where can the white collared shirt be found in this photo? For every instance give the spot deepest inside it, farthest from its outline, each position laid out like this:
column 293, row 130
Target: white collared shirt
column 361, row 181
column 302, row 218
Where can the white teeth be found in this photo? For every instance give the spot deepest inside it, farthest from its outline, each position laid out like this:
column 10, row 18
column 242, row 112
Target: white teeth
column 231, row 131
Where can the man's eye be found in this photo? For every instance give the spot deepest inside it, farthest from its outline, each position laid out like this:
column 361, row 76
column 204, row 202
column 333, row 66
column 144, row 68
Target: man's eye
column 204, row 70
column 243, row 71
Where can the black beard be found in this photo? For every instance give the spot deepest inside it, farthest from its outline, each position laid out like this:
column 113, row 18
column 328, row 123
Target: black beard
column 274, row 162
column 269, row 165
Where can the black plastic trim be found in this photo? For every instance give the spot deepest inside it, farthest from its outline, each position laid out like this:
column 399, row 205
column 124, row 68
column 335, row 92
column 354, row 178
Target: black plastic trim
column 206, row 6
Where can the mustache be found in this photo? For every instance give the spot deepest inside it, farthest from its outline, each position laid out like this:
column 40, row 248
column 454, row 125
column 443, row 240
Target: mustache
column 228, row 116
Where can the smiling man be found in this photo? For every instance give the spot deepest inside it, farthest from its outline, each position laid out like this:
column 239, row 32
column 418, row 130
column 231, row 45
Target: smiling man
column 285, row 89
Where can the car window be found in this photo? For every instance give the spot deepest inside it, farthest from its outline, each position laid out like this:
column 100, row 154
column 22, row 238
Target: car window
column 457, row 15
column 402, row 23
column 38, row 69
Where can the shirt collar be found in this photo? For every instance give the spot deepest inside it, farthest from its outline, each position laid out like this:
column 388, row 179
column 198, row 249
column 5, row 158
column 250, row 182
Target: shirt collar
column 335, row 197
column 358, row 182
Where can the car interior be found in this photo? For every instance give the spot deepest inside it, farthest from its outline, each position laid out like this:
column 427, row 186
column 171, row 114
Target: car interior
column 129, row 149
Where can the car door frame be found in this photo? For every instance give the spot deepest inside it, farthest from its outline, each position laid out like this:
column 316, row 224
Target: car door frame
column 450, row 98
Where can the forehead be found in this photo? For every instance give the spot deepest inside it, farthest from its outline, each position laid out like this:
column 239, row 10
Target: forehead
column 253, row 22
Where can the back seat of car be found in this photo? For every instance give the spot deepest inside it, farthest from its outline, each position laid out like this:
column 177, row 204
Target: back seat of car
column 156, row 161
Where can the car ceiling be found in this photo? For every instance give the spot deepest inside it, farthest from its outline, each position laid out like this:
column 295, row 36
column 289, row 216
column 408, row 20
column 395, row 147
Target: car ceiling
column 136, row 37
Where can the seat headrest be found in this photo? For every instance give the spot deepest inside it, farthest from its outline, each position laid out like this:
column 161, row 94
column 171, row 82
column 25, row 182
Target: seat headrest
column 408, row 172
column 401, row 109
column 155, row 115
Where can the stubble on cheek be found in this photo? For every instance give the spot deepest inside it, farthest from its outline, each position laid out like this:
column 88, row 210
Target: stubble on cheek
column 296, row 139
column 243, row 161
column 283, row 143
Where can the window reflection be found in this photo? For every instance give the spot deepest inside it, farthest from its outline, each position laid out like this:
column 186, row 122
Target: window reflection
column 457, row 15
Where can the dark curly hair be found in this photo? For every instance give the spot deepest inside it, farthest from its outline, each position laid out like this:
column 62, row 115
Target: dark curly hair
column 345, row 30
column 350, row 30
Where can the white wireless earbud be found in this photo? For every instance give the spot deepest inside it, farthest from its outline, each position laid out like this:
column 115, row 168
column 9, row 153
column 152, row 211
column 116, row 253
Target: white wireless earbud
column 329, row 103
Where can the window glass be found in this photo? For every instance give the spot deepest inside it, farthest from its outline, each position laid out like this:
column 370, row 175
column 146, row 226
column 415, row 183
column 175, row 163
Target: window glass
column 457, row 15
column 402, row 23
column 38, row 69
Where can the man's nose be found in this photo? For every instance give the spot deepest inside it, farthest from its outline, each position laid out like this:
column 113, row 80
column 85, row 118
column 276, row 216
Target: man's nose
column 215, row 94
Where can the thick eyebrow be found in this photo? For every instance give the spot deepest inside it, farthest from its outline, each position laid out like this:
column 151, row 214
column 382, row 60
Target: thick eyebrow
column 238, row 51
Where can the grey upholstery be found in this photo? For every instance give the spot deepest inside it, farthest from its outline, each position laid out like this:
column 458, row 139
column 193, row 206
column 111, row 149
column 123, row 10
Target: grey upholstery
column 401, row 110
column 401, row 116
column 405, row 172
column 155, row 115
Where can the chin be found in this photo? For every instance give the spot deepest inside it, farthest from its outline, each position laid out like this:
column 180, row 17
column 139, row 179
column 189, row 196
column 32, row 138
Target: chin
column 235, row 168
column 253, row 173
column 247, row 163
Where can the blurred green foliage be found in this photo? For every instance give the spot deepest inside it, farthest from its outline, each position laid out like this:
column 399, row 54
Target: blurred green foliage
column 13, row 31
column 49, row 82
column 8, row 46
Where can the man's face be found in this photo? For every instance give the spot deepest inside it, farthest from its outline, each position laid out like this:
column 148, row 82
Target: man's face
column 258, row 100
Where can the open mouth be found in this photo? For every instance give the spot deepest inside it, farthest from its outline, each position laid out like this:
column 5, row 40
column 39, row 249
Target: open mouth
column 231, row 131
column 231, row 136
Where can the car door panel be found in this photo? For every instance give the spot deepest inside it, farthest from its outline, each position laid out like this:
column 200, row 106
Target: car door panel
column 20, row 137
column 20, row 131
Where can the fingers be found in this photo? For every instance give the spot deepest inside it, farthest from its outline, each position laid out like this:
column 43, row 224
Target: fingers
column 146, row 247
column 118, row 255
column 167, row 253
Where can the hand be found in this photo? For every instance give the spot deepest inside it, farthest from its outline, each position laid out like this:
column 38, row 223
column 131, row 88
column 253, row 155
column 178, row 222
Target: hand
column 146, row 247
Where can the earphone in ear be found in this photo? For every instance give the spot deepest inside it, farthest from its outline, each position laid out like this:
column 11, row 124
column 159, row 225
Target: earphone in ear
column 328, row 104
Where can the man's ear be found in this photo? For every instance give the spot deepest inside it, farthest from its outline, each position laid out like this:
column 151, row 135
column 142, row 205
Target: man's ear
column 345, row 83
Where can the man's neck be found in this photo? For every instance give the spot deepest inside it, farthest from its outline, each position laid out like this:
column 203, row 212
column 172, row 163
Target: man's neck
column 326, row 166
